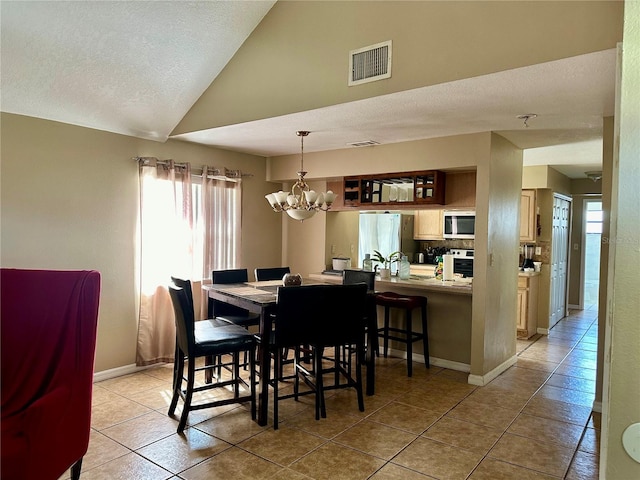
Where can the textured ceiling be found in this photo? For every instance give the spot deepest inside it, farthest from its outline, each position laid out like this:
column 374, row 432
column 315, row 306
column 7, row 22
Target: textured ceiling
column 136, row 68
column 126, row 67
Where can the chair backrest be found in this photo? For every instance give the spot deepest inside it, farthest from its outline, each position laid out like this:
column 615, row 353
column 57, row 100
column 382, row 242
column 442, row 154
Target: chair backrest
column 237, row 275
column 350, row 277
column 186, row 286
column 320, row 314
column 183, row 309
column 274, row 273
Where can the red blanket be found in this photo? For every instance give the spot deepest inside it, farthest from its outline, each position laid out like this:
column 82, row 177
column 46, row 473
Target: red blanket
column 48, row 337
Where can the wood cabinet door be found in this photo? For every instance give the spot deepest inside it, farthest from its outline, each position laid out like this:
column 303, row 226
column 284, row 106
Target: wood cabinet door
column 523, row 300
column 427, row 225
column 528, row 216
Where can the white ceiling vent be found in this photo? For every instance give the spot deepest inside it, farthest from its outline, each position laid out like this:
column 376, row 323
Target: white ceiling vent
column 364, row 143
column 369, row 64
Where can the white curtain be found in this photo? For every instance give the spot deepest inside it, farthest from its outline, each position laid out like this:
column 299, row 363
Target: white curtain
column 186, row 229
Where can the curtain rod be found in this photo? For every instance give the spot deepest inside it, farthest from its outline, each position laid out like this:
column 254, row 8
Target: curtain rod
column 197, row 172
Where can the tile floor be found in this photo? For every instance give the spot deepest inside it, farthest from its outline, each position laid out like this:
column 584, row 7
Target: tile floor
column 532, row 422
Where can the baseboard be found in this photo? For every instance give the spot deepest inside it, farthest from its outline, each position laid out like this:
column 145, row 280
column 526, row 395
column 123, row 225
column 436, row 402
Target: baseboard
column 117, row 372
column 482, row 380
column 575, row 307
column 542, row 331
column 434, row 361
column 597, row 407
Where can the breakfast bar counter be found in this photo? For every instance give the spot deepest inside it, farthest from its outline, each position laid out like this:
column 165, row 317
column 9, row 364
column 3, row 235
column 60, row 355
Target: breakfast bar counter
column 449, row 317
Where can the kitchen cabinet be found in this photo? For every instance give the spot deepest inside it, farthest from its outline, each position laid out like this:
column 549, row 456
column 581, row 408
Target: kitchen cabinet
column 527, row 305
column 405, row 188
column 427, row 225
column 528, row 216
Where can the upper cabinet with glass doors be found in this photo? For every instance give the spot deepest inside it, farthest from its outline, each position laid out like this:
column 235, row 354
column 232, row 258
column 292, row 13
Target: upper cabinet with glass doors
column 415, row 188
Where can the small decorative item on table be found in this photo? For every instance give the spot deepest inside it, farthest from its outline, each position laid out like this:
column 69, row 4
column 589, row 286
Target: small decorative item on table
column 291, row 279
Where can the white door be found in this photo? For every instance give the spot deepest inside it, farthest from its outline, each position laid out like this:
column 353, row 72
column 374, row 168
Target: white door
column 559, row 258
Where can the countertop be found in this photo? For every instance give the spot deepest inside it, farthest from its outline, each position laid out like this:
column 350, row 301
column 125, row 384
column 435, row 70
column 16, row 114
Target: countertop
column 419, row 282
column 528, row 274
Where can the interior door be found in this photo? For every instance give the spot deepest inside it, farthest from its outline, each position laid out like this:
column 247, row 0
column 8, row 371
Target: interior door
column 559, row 258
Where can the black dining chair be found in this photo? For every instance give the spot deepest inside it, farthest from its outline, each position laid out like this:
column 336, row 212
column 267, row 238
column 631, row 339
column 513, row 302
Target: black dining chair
column 350, row 277
column 198, row 325
column 273, row 273
column 231, row 313
column 212, row 342
column 321, row 316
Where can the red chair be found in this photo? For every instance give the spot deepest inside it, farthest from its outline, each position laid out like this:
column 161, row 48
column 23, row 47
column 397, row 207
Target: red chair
column 48, row 338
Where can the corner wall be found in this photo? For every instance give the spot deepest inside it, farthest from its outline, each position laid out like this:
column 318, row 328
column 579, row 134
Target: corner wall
column 70, row 201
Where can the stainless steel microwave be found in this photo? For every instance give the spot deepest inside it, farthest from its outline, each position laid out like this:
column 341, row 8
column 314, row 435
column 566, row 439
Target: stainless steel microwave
column 459, row 224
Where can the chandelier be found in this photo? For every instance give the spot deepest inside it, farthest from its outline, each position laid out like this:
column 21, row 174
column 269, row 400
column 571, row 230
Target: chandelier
column 301, row 203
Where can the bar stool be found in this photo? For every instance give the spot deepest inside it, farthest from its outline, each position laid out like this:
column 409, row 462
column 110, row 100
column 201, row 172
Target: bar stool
column 407, row 336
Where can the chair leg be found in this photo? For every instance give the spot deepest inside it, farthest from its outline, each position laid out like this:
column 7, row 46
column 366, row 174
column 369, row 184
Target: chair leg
column 359, row 355
column 386, row 331
column 252, row 381
column 75, row 469
column 321, row 410
column 236, row 373
column 177, row 382
column 425, row 337
column 187, row 398
column 276, row 378
column 409, row 343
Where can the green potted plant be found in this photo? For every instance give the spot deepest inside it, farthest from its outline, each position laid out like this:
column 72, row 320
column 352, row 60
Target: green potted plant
column 385, row 271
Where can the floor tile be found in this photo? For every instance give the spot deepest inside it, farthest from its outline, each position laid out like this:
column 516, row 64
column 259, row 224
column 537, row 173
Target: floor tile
column 180, row 452
column 332, row 461
column 557, row 410
column 335, row 423
column 438, row 460
column 590, row 441
column 405, row 417
column 131, row 384
column 474, row 411
column 551, row 459
column 395, row 472
column 127, row 467
column 535, row 364
column 491, row 469
column 565, row 395
column 232, row 463
column 283, row 446
column 141, row 431
column 583, row 467
column 458, row 433
column 575, row 371
column 374, row 439
column 572, row 383
column 546, row 430
column 101, row 450
column 233, row 427
column 115, row 411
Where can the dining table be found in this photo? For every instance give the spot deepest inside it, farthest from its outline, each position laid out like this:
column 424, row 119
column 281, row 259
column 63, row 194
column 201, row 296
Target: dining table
column 261, row 298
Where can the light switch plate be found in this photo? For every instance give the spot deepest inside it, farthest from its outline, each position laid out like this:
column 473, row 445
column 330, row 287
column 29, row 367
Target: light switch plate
column 538, row 250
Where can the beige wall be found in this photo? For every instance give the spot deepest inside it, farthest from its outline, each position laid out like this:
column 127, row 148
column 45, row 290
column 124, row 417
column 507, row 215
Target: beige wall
column 454, row 152
column 70, row 201
column 495, row 276
column 342, row 232
column 297, row 57
column 621, row 407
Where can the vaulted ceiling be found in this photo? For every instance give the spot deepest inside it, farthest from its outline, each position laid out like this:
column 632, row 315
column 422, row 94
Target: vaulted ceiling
column 136, row 68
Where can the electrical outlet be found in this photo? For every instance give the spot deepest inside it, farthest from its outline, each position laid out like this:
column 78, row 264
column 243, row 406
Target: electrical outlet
column 576, row 246
column 538, row 250
column 333, row 249
column 353, row 249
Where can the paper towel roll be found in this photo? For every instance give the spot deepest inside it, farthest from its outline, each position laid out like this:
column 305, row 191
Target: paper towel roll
column 447, row 267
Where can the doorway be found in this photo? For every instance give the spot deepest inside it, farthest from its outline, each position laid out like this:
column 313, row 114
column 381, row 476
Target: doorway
column 591, row 241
